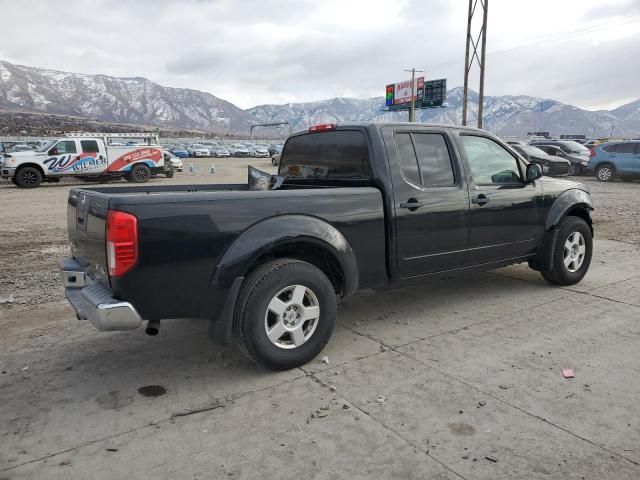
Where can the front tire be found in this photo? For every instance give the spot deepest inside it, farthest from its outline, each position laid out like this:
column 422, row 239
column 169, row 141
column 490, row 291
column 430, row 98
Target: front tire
column 572, row 254
column 605, row 173
column 285, row 314
column 28, row 177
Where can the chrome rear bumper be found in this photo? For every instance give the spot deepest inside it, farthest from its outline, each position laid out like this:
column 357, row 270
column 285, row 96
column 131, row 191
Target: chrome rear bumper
column 93, row 300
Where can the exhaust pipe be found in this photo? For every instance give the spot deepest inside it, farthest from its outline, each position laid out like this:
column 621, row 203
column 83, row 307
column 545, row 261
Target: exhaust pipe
column 153, row 327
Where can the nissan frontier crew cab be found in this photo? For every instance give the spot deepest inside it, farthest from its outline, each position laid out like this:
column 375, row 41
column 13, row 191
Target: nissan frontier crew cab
column 91, row 157
column 358, row 206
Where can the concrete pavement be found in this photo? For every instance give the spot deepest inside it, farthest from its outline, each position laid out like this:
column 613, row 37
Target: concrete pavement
column 454, row 378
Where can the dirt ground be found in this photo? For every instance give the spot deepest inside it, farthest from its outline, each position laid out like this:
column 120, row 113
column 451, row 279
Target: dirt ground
column 458, row 378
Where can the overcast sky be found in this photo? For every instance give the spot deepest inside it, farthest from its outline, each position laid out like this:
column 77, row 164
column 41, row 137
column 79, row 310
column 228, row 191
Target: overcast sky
column 250, row 52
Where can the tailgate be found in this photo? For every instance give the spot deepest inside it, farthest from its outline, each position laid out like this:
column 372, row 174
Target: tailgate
column 86, row 217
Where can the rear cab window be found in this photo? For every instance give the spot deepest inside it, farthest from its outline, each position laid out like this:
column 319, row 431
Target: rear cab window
column 89, row 146
column 338, row 154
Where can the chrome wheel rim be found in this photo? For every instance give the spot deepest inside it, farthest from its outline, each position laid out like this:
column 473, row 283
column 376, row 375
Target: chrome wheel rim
column 292, row 317
column 604, row 174
column 574, row 252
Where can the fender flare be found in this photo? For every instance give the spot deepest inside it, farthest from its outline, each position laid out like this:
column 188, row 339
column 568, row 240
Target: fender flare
column 273, row 232
column 565, row 202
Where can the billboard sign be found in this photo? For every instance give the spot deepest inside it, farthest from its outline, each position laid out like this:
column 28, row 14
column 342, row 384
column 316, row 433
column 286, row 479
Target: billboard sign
column 430, row 93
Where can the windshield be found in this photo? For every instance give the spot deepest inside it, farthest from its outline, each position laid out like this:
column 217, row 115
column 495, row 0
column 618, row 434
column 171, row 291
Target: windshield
column 575, row 147
column 46, row 146
column 531, row 150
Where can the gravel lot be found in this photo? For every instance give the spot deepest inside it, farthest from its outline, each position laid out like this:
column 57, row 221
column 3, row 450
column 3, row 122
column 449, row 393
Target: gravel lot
column 459, row 378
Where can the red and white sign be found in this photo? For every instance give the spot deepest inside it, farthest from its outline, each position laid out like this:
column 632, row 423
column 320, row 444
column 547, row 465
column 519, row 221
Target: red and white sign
column 402, row 93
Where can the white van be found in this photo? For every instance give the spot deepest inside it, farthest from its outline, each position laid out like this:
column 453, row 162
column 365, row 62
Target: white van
column 90, row 156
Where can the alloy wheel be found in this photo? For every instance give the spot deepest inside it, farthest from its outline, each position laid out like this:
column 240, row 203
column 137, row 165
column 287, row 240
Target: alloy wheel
column 574, row 252
column 292, row 316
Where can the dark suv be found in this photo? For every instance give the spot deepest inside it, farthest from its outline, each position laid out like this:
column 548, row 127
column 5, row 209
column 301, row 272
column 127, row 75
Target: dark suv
column 577, row 154
column 550, row 164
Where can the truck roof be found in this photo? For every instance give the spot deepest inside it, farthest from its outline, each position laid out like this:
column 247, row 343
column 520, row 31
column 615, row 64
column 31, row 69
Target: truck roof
column 378, row 125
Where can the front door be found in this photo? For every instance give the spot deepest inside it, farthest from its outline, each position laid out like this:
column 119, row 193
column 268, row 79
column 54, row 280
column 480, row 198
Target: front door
column 430, row 202
column 504, row 220
column 61, row 157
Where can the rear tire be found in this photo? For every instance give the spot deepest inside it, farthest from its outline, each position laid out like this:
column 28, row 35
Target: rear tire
column 140, row 173
column 605, row 173
column 28, row 177
column 572, row 254
column 285, row 314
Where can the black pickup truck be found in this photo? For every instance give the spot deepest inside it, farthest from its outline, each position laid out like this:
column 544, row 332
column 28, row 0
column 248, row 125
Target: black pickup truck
column 352, row 207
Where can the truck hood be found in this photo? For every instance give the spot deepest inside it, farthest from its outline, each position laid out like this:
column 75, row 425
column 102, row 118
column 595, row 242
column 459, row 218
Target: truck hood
column 27, row 154
column 552, row 186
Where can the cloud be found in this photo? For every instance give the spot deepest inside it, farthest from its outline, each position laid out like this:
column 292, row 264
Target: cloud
column 276, row 51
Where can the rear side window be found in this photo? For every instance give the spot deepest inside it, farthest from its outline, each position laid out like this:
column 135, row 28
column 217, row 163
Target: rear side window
column 337, row 154
column 610, row 148
column 89, row 146
column 408, row 159
column 425, row 159
column 626, row 148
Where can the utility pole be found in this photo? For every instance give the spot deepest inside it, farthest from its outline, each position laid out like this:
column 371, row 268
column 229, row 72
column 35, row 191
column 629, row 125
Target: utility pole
column 412, row 110
column 481, row 40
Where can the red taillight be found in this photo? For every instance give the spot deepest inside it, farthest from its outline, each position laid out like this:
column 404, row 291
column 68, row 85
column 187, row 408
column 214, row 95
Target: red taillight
column 122, row 242
column 592, row 152
column 325, row 127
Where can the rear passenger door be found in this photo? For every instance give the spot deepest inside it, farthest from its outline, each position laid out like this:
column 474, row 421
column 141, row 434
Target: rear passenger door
column 504, row 221
column 625, row 158
column 430, row 202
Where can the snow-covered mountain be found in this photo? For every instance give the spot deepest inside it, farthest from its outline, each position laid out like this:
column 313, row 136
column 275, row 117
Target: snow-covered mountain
column 141, row 101
column 110, row 99
column 509, row 115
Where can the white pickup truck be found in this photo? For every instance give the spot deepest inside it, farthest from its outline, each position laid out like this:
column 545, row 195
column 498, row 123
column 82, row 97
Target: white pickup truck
column 90, row 157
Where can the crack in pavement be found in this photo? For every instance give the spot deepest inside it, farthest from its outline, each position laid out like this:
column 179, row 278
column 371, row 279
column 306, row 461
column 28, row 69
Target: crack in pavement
column 520, row 409
column 216, row 404
column 408, row 441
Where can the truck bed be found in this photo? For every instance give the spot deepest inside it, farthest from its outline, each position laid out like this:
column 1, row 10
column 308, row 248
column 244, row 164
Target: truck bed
column 185, row 231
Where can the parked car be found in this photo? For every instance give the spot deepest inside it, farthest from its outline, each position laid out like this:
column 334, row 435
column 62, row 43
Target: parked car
column 220, row 152
column 179, row 152
column 577, row 165
column 259, row 151
column 353, row 207
column 174, row 160
column 198, row 150
column 554, row 166
column 275, row 159
column 272, row 149
column 577, row 154
column 615, row 160
column 238, row 150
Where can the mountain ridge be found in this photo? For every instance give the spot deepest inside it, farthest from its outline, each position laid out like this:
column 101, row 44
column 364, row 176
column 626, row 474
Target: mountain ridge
column 138, row 100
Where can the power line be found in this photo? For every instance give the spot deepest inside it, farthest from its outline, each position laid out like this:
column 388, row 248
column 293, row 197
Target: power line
column 564, row 36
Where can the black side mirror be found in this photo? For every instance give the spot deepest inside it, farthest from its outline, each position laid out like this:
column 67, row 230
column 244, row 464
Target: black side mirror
column 534, row 172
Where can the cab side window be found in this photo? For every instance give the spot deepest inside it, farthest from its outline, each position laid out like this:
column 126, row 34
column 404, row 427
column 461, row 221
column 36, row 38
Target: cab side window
column 490, row 163
column 65, row 147
column 89, row 146
column 425, row 159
